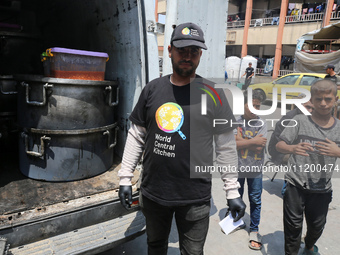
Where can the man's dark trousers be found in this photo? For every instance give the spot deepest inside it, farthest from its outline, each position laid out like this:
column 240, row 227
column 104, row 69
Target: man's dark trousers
column 192, row 223
column 246, row 83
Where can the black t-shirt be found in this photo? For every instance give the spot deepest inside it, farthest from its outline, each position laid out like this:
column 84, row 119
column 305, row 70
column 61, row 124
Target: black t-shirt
column 249, row 71
column 178, row 138
column 332, row 78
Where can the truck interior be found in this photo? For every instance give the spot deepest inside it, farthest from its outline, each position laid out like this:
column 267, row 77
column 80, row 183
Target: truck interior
column 33, row 210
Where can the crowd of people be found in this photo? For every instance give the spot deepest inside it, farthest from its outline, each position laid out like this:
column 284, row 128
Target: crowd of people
column 166, row 116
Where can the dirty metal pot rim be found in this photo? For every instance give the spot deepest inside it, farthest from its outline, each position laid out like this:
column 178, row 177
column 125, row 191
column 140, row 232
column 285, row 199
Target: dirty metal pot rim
column 71, row 132
column 6, row 77
column 39, row 78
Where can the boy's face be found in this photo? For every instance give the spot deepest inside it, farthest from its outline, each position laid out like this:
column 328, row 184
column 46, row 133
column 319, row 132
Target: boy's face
column 323, row 102
column 248, row 115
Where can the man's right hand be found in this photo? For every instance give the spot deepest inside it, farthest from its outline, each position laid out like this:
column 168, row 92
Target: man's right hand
column 125, row 196
column 237, row 208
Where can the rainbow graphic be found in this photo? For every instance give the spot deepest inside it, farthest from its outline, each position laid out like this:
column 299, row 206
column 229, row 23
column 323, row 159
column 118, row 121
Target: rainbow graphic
column 209, row 93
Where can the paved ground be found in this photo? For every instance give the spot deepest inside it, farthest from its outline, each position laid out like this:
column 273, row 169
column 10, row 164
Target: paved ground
column 271, row 226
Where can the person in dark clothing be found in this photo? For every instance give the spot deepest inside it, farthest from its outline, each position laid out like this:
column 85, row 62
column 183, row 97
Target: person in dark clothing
column 161, row 129
column 331, row 74
column 249, row 74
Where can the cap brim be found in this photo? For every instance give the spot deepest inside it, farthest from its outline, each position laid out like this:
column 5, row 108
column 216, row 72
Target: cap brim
column 187, row 43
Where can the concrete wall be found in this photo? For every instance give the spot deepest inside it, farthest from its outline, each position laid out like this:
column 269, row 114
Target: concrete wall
column 161, row 6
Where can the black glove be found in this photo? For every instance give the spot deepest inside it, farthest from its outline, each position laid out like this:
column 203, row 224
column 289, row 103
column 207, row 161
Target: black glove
column 236, row 205
column 125, row 196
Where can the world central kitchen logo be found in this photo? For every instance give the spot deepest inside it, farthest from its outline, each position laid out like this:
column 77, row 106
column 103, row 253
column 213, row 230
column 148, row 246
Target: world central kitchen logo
column 204, row 98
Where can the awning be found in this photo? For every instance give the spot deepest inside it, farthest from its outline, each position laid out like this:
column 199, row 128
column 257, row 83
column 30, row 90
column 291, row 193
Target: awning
column 330, row 32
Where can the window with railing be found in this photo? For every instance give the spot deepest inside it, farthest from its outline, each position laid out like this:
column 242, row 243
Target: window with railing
column 289, row 19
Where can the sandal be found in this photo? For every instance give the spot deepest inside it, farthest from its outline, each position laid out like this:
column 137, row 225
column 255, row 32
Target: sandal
column 255, row 237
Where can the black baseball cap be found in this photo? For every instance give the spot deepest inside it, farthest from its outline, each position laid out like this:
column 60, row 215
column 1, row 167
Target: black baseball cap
column 188, row 34
column 330, row 66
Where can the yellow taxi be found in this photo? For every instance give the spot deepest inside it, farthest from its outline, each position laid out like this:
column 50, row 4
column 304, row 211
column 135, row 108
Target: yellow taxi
column 293, row 80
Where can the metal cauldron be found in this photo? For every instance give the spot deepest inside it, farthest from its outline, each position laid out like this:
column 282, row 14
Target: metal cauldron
column 65, row 104
column 66, row 155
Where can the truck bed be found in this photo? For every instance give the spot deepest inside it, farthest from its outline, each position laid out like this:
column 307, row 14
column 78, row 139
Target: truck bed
column 28, row 205
column 19, row 193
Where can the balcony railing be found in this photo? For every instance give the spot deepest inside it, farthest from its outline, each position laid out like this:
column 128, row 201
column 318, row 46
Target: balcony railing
column 289, row 19
column 260, row 71
column 285, row 72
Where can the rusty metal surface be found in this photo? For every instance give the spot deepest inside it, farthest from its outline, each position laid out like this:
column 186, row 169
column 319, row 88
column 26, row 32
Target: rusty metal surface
column 35, row 230
column 88, row 240
column 19, row 193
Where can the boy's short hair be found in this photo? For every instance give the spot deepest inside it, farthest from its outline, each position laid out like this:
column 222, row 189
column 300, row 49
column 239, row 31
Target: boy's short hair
column 326, row 86
column 256, row 95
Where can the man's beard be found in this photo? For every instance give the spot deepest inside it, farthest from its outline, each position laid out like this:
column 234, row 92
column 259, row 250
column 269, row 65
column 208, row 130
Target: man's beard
column 182, row 72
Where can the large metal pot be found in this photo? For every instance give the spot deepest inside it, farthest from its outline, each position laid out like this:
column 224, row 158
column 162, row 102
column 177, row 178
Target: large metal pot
column 65, row 104
column 8, row 95
column 66, row 155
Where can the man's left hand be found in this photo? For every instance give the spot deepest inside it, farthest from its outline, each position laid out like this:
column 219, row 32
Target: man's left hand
column 237, row 208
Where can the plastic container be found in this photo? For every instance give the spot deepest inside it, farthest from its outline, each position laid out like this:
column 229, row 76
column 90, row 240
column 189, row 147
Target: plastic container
column 232, row 67
column 75, row 64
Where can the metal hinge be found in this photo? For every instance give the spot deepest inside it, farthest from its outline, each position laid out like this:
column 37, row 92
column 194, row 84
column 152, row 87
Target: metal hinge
column 153, row 27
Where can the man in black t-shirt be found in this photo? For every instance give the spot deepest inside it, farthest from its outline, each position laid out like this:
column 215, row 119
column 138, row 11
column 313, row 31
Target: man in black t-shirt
column 249, row 74
column 331, row 75
column 167, row 125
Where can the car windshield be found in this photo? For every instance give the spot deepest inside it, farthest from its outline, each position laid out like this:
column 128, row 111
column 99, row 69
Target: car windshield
column 309, row 80
column 289, row 80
